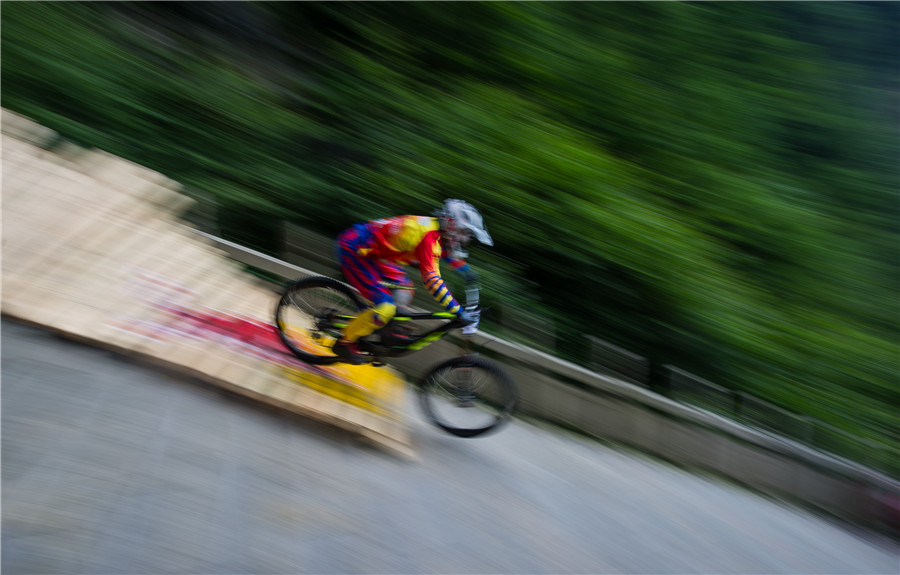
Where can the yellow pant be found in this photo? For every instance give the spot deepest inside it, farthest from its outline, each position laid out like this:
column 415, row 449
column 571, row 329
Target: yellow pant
column 369, row 320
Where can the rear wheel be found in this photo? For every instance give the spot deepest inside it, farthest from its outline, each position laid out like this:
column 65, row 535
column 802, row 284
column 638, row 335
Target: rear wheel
column 311, row 316
column 468, row 396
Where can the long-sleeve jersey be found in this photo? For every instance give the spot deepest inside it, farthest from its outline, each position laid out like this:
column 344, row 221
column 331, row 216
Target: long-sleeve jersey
column 411, row 239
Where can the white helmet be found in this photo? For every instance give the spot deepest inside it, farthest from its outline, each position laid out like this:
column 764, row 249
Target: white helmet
column 459, row 215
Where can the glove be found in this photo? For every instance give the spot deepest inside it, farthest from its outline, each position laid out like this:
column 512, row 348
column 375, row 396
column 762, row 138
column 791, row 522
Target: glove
column 470, row 318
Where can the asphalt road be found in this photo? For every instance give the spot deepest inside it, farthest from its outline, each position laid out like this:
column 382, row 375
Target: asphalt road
column 112, row 466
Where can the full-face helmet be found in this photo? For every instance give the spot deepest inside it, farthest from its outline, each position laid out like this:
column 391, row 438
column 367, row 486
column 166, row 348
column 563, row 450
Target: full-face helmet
column 460, row 222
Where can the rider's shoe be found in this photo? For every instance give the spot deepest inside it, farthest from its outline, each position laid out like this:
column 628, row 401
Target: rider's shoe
column 348, row 352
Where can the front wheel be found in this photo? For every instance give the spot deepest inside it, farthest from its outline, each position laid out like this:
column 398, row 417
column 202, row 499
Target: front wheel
column 312, row 314
column 468, row 396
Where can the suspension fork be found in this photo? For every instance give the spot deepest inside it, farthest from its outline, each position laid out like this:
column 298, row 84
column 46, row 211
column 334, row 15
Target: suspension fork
column 465, row 381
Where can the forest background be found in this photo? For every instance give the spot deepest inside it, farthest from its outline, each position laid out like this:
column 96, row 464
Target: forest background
column 712, row 185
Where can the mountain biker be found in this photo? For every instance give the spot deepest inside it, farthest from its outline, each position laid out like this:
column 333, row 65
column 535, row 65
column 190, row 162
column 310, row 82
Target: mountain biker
column 371, row 254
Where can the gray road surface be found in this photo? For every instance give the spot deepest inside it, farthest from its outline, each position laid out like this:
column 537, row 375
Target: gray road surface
column 110, row 466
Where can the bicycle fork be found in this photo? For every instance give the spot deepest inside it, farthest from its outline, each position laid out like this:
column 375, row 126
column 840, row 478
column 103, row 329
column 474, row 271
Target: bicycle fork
column 465, row 378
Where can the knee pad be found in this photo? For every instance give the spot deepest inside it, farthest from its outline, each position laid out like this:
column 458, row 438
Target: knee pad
column 403, row 297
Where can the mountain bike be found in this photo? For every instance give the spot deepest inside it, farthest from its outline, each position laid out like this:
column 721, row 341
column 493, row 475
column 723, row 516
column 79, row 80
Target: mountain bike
column 465, row 396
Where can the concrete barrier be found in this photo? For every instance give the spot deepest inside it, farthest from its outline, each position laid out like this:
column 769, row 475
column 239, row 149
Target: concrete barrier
column 605, row 407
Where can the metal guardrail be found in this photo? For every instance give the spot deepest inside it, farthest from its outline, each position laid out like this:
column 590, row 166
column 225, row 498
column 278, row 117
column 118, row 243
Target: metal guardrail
column 618, row 362
column 763, row 415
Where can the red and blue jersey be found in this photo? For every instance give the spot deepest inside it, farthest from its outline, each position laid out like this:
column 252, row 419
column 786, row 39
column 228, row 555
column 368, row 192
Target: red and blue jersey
column 401, row 240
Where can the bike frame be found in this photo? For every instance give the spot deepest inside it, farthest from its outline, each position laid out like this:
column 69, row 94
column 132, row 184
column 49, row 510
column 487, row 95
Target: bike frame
column 418, row 342
column 428, row 337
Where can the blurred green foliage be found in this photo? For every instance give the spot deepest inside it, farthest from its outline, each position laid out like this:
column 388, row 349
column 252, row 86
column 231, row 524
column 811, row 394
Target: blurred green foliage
column 712, row 185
